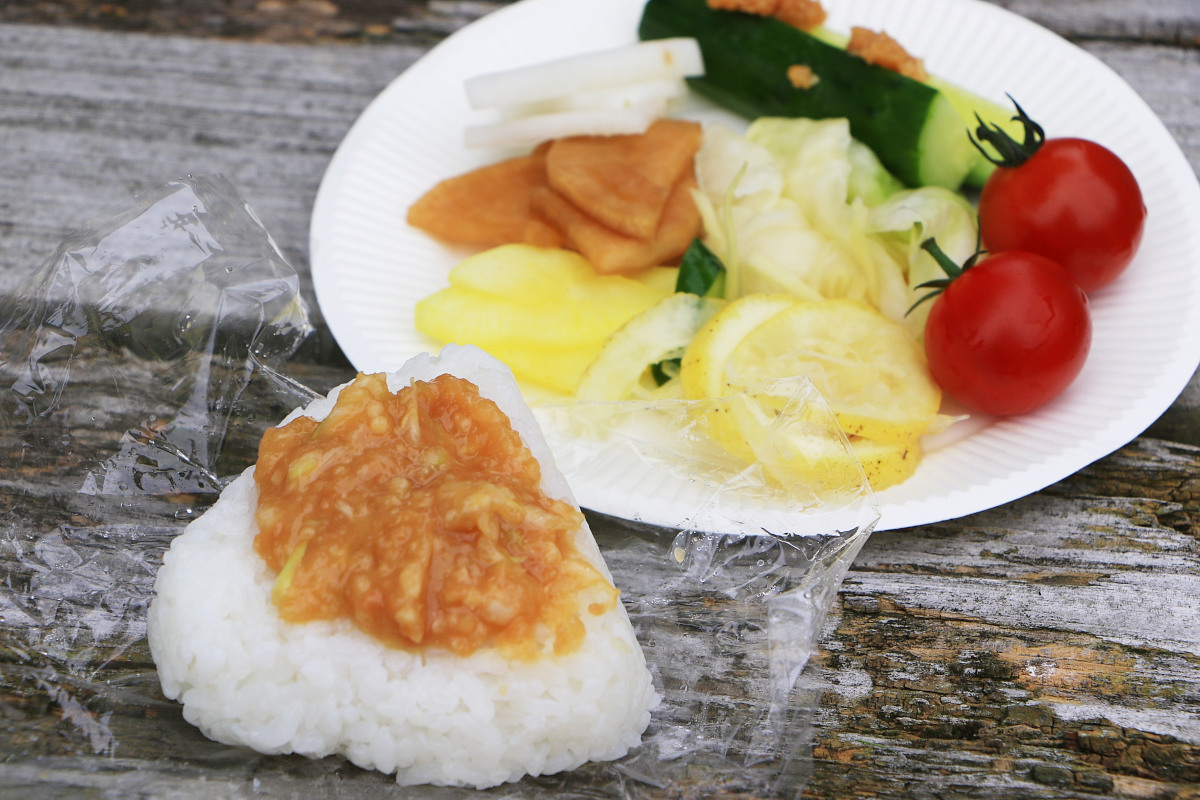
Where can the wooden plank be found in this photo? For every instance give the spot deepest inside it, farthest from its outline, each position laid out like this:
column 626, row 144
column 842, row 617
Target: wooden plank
column 1168, row 22
column 1048, row 648
column 90, row 119
column 384, row 21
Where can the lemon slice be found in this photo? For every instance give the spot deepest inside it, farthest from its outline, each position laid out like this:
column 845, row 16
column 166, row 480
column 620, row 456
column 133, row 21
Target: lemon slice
column 806, row 445
column 703, row 368
column 791, row 433
column 886, row 463
column 870, row 369
column 660, row 332
column 702, row 371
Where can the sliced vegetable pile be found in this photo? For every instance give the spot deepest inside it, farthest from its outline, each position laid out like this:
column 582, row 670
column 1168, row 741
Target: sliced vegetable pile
column 605, row 93
column 543, row 311
column 646, row 257
column 623, row 201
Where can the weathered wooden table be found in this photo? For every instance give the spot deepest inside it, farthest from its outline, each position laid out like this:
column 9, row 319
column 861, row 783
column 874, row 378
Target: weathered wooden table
column 1047, row 648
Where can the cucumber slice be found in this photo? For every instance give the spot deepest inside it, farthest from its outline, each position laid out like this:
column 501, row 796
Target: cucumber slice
column 968, row 105
column 911, row 126
column 965, row 102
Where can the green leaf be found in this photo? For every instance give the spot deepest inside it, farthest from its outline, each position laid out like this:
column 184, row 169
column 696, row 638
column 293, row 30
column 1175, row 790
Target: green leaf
column 700, row 272
column 666, row 370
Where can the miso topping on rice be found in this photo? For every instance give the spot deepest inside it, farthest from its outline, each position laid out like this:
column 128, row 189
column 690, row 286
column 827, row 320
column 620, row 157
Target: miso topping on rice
column 420, row 516
column 405, row 580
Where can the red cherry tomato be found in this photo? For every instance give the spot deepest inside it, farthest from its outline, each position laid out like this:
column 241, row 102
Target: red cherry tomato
column 1008, row 334
column 1071, row 200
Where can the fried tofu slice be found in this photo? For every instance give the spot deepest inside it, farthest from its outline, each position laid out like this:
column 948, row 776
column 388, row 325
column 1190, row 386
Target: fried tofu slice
column 488, row 206
column 624, row 202
column 624, row 182
column 612, row 252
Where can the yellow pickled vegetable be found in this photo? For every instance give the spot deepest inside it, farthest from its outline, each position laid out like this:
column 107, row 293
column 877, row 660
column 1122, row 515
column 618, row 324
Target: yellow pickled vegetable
column 544, row 312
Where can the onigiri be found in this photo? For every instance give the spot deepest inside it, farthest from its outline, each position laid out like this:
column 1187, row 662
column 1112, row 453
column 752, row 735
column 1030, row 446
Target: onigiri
column 247, row 676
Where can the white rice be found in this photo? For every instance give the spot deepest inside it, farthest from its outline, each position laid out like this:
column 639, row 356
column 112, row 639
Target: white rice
column 246, row 677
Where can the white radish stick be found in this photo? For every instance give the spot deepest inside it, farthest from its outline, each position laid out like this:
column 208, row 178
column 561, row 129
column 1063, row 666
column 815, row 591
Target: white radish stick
column 636, row 63
column 529, row 131
column 630, row 95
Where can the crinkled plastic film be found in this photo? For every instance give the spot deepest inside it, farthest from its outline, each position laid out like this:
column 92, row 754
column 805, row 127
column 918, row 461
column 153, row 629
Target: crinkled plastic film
column 150, row 335
column 178, row 296
column 732, row 606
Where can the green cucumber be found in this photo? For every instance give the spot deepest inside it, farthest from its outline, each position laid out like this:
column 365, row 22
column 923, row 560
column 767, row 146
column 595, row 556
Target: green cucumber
column 912, row 127
column 973, row 108
column 968, row 105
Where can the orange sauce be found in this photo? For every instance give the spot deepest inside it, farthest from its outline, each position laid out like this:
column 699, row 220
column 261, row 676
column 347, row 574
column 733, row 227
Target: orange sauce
column 419, row 515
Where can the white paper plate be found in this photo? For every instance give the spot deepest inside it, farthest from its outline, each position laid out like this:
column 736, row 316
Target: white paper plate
column 369, row 268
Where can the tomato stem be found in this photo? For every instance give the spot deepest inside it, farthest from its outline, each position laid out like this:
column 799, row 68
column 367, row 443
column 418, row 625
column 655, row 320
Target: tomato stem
column 1011, row 152
column 952, row 270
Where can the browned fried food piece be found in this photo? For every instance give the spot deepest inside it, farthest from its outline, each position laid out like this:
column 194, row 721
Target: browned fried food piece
column 802, row 76
column 488, row 206
column 802, row 14
column 764, row 8
column 610, row 251
column 876, row 47
column 623, row 182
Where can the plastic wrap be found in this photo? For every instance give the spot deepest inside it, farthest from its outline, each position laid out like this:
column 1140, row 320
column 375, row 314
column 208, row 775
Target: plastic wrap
column 179, row 296
column 729, row 598
column 153, row 339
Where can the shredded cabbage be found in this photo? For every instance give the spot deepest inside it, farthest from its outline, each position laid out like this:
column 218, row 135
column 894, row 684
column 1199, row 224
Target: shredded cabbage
column 799, row 206
column 907, row 219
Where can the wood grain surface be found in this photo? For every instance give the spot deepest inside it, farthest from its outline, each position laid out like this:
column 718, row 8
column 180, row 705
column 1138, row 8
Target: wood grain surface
column 1049, row 648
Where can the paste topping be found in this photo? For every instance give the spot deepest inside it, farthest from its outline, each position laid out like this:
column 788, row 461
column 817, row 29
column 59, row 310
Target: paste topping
column 419, row 515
